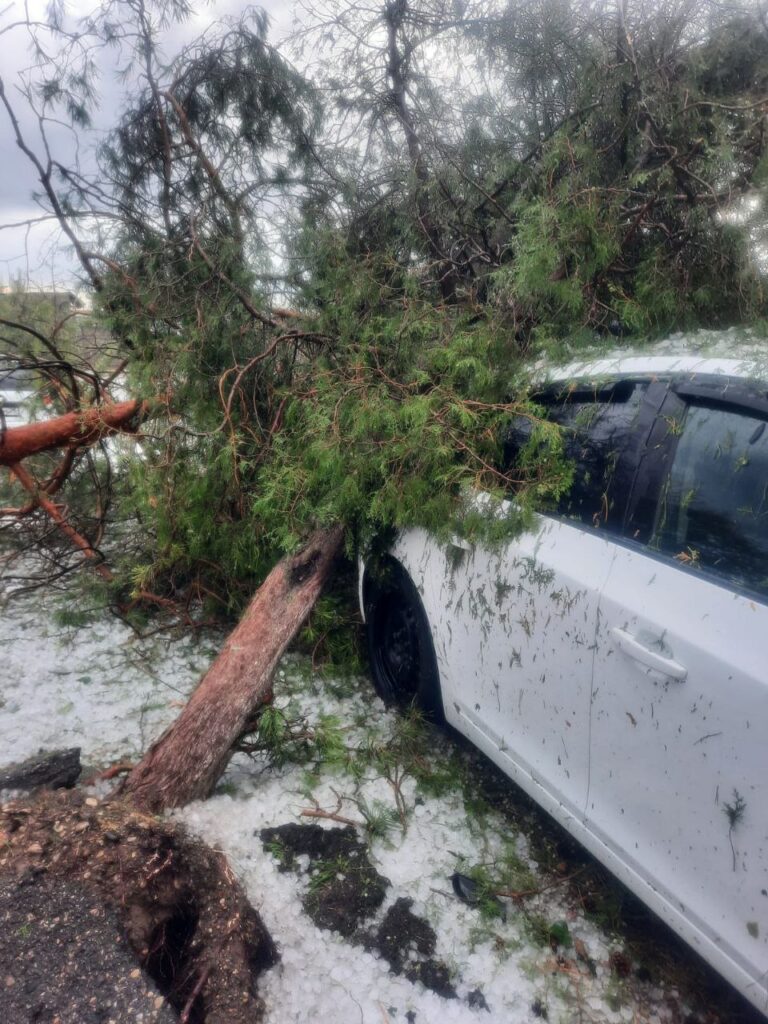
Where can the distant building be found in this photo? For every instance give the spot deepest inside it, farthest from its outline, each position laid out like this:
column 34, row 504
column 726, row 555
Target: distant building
column 30, row 299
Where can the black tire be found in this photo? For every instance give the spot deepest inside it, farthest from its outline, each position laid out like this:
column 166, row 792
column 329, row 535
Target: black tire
column 400, row 649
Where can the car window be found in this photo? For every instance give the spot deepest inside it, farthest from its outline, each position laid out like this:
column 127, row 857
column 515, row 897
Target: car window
column 713, row 509
column 597, row 428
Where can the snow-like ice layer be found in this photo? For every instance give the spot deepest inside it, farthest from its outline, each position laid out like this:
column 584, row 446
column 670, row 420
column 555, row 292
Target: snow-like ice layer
column 95, row 687
column 103, row 690
column 324, row 978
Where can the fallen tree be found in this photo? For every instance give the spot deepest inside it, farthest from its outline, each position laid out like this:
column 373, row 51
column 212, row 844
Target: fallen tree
column 185, row 763
column 75, row 432
column 72, row 430
column 376, row 404
column 367, row 410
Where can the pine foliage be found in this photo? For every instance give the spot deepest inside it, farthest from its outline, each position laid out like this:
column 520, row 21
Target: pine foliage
column 333, row 278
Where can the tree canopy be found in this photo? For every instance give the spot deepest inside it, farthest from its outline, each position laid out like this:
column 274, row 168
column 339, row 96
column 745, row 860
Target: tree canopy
column 326, row 263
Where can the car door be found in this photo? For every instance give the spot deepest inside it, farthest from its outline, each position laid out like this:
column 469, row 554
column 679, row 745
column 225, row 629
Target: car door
column 517, row 624
column 678, row 776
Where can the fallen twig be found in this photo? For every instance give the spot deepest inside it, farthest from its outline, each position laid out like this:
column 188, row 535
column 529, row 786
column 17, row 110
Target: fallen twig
column 311, row 812
column 121, row 768
column 524, row 893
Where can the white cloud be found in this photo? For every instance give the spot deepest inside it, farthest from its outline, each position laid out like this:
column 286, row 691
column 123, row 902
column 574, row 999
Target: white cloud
column 39, row 252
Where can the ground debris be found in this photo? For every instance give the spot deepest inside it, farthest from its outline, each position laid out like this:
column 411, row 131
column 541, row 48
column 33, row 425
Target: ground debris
column 344, row 891
column 57, row 769
column 477, row 1000
column 184, row 916
column 469, row 892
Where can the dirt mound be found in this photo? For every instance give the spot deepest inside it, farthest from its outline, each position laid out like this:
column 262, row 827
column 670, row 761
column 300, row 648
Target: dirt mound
column 344, row 887
column 345, row 891
column 184, row 915
column 407, row 943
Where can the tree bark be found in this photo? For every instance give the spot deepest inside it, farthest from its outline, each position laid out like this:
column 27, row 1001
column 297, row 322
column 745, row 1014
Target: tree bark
column 40, row 500
column 185, row 763
column 73, row 429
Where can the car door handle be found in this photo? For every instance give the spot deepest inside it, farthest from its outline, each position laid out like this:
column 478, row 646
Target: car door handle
column 632, row 647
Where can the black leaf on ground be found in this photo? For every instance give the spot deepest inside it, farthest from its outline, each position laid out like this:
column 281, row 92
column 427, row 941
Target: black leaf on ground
column 477, row 1000
column 469, row 892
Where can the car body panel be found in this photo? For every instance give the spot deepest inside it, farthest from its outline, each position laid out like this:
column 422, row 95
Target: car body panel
column 651, row 676
column 671, row 755
column 515, row 636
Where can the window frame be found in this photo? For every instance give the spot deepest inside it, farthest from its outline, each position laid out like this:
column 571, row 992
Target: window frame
column 650, row 450
column 646, row 458
column 729, row 394
column 630, row 452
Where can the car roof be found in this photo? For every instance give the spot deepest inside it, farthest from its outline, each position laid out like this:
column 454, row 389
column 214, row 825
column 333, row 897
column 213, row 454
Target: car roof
column 731, row 353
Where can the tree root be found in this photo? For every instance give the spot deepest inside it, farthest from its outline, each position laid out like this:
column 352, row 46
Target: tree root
column 185, row 915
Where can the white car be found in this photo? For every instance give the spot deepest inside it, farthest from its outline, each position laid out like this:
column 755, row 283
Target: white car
column 613, row 660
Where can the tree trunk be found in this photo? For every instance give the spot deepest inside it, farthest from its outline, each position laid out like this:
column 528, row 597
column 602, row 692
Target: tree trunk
column 73, row 429
column 397, row 69
column 190, row 756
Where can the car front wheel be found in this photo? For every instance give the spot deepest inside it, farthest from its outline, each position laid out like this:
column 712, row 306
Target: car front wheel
column 400, row 648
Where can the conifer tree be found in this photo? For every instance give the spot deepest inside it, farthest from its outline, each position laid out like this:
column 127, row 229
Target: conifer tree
column 326, row 281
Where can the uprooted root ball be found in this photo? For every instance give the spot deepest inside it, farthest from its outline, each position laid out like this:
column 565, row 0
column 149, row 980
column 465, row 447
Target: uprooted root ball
column 185, row 916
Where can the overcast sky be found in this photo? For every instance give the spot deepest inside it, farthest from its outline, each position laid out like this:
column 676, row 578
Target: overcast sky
column 37, row 253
